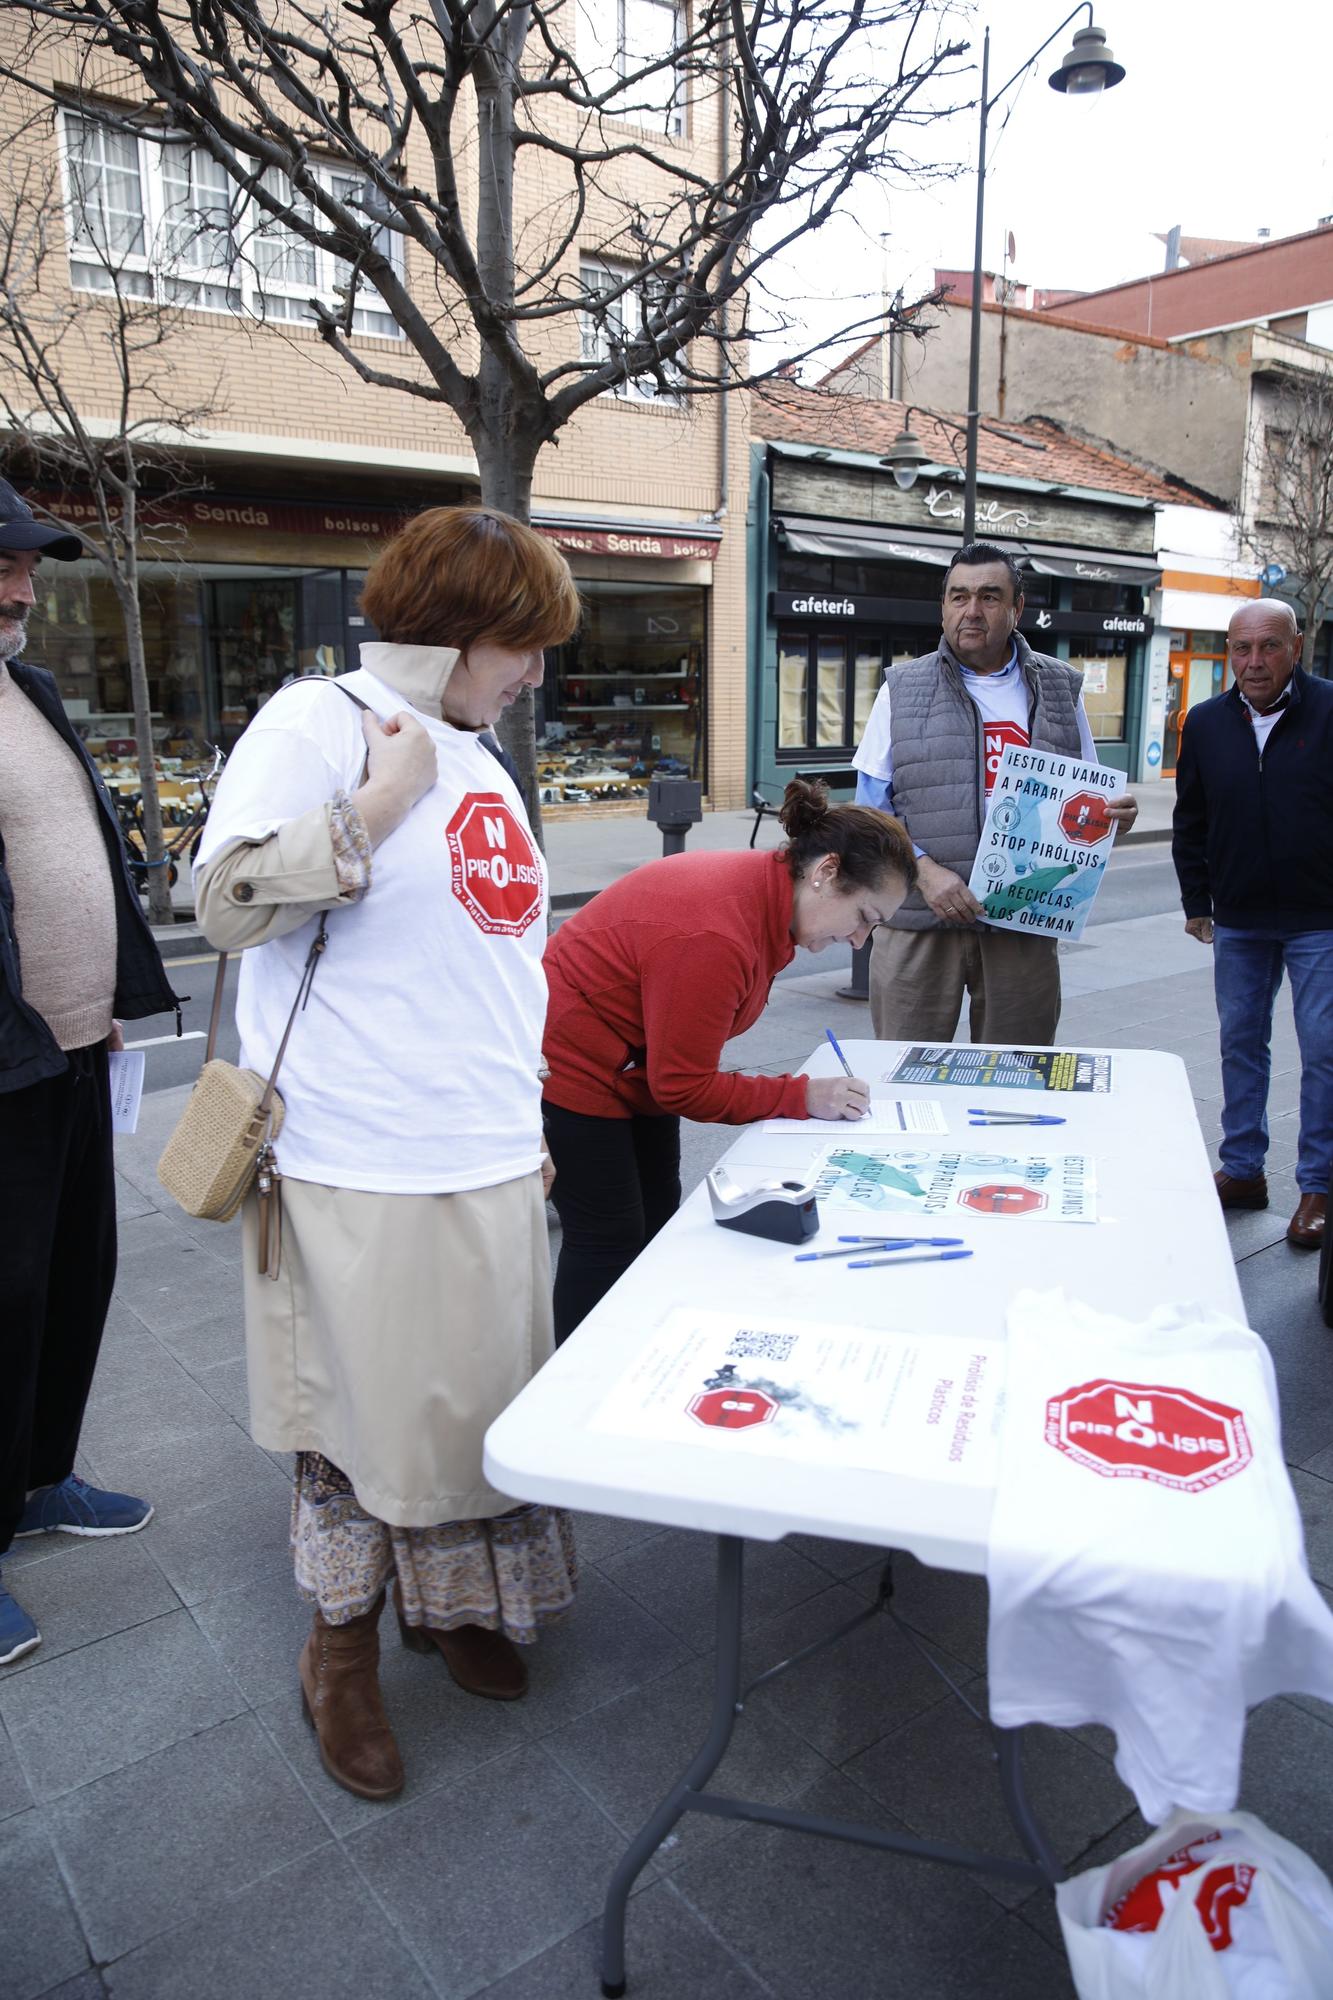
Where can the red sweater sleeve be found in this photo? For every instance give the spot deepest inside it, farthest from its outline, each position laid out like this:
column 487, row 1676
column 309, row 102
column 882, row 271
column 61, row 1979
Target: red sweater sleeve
column 693, row 990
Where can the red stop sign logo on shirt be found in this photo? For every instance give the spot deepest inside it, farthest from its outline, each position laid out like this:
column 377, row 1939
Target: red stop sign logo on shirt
column 496, row 875
column 732, row 1409
column 1137, row 1430
column 998, row 737
column 1084, row 818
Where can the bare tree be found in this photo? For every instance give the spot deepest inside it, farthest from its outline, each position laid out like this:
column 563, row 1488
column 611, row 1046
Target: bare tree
column 552, row 199
column 1289, row 519
column 52, row 338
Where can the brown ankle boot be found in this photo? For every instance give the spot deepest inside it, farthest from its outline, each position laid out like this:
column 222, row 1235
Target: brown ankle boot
column 481, row 1662
column 340, row 1693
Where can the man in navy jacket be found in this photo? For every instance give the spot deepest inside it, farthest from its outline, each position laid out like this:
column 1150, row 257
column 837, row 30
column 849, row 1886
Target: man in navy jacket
column 1253, row 848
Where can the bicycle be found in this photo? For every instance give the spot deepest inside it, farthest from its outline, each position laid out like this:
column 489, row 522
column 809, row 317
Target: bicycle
column 186, row 832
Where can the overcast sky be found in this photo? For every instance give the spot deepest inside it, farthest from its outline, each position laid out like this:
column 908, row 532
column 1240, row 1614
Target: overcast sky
column 1221, row 124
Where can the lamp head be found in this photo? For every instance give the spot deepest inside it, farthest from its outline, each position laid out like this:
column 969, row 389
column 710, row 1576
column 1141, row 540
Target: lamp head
column 1089, row 67
column 905, row 458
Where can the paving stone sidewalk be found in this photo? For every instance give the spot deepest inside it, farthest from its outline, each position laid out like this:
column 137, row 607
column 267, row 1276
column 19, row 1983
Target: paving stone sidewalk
column 166, row 1829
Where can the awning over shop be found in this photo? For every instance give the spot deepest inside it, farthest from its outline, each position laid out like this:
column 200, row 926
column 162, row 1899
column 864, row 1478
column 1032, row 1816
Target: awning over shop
column 812, row 537
column 1144, row 572
column 809, row 536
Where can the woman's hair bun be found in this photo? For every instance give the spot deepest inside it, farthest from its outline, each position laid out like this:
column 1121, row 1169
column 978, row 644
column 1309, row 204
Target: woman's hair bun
column 805, row 807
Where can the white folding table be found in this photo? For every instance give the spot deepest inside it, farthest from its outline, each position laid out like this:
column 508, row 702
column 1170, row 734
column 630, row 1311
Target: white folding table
column 1159, row 1236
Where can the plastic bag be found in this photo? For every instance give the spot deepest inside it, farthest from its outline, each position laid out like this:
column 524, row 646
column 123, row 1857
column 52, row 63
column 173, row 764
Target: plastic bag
column 1265, row 1936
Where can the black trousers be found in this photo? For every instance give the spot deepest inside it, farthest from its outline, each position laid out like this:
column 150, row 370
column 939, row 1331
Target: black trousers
column 617, row 1180
column 57, row 1268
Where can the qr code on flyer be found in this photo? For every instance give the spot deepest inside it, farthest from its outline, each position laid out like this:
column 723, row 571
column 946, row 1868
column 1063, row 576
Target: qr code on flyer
column 747, row 1346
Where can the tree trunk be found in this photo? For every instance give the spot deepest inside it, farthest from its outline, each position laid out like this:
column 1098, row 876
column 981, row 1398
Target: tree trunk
column 159, row 872
column 506, row 469
column 1313, row 626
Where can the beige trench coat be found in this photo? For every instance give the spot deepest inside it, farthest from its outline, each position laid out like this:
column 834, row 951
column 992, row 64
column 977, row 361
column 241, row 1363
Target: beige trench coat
column 397, row 1330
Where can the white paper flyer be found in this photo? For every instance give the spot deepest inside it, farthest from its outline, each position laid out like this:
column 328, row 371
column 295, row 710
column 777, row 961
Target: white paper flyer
column 924, row 1407
column 870, row 1180
column 1045, row 843
column 126, row 1068
column 886, row 1115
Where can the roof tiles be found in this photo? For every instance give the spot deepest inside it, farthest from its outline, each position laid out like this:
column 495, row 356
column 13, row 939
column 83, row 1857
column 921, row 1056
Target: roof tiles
column 784, row 412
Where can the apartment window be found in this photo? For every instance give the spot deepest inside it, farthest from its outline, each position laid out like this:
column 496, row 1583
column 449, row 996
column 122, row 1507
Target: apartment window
column 620, row 38
column 160, row 217
column 616, row 315
column 107, row 208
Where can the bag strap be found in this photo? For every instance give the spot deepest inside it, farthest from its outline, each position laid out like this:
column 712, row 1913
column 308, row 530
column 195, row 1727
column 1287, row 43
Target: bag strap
column 303, row 991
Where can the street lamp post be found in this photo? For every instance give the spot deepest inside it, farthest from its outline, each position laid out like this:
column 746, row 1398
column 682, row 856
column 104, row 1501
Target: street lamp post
column 1087, row 69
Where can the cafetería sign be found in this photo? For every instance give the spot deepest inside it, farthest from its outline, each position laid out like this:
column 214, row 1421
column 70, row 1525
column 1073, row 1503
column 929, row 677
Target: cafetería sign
column 817, row 606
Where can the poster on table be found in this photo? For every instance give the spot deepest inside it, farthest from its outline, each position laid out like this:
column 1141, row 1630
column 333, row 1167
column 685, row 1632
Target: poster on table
column 1002, row 1069
column 816, row 1393
column 876, row 1183
column 1044, row 844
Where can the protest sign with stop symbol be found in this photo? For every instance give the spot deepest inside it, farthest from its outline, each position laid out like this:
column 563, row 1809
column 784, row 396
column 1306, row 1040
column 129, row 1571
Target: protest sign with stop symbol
column 1084, row 818
column 1136, row 1430
column 732, row 1409
column 496, row 874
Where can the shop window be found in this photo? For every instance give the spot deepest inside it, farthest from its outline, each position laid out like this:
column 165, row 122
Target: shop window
column 79, row 635
column 624, row 698
column 158, row 217
column 797, row 572
column 793, row 677
column 618, row 39
column 867, row 674
column 1105, row 672
column 620, row 301
column 1106, row 597
column 886, row 579
column 830, row 695
column 826, row 689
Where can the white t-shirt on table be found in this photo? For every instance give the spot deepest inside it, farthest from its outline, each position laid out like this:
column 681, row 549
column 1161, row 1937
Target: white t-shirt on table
column 1163, row 1610
column 413, row 1068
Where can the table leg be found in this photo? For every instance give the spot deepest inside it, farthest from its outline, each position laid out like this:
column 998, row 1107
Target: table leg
column 726, row 1695
column 1008, row 1744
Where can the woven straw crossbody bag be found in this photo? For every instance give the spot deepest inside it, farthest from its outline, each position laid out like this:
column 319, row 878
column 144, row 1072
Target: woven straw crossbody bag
column 223, row 1141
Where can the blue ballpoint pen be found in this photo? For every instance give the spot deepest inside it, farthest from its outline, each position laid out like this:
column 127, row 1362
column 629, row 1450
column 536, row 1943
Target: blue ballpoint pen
column 833, row 1043
column 926, row 1257
column 880, row 1242
column 979, row 1117
column 936, row 1242
column 847, row 1069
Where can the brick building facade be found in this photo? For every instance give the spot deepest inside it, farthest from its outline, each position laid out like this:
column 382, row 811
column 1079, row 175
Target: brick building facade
column 303, row 471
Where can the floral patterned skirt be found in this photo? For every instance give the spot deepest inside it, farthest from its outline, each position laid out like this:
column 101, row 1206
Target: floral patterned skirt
column 513, row 1574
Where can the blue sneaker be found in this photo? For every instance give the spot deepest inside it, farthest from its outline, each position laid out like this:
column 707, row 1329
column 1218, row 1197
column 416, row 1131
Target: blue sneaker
column 18, row 1634
column 76, row 1508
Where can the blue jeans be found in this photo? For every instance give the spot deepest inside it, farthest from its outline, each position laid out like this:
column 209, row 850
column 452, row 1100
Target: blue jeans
column 1247, row 971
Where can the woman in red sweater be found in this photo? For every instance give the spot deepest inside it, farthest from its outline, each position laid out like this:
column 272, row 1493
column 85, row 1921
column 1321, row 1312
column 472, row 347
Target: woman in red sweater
column 651, row 978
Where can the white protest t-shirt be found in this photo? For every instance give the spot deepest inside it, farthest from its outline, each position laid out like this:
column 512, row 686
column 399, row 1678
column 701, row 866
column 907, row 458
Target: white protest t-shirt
column 1002, row 702
column 1145, row 1564
column 413, row 1069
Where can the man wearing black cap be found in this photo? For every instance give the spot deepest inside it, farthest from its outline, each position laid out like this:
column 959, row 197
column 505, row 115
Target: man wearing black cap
column 75, row 952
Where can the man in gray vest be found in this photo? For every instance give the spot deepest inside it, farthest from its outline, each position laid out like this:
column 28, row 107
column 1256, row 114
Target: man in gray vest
column 931, row 749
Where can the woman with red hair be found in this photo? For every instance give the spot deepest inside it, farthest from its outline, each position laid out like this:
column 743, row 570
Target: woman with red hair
column 412, row 1296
